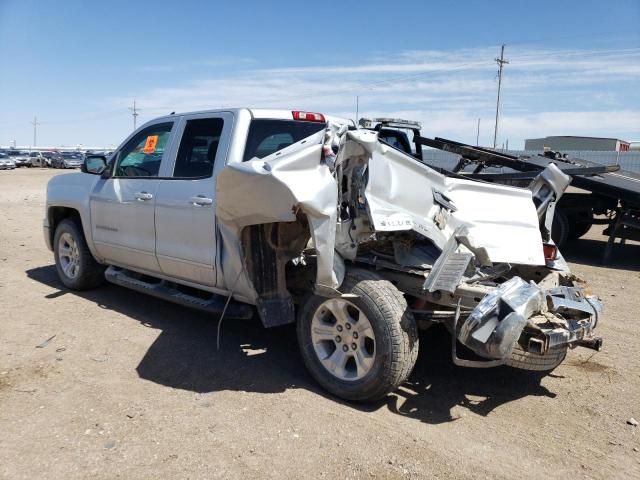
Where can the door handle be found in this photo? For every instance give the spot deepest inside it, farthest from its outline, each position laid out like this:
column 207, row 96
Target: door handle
column 143, row 196
column 201, row 201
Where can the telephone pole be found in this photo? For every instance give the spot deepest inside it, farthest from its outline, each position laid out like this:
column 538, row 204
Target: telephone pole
column 478, row 134
column 35, row 124
column 134, row 113
column 500, row 61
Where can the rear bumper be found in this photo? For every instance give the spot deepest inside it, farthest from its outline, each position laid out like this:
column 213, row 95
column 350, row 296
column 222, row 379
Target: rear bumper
column 535, row 318
column 579, row 315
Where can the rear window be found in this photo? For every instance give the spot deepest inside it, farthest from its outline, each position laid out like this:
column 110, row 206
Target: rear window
column 269, row 136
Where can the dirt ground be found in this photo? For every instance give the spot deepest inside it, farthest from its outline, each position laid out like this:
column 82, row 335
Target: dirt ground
column 132, row 387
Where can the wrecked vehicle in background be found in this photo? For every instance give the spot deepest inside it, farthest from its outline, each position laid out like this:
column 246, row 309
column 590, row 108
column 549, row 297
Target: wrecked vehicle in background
column 313, row 221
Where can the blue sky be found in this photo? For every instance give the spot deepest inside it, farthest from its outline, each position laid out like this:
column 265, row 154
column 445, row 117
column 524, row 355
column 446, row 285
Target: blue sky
column 574, row 65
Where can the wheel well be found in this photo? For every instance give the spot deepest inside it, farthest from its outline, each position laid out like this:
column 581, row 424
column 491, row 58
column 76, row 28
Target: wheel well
column 57, row 214
column 268, row 249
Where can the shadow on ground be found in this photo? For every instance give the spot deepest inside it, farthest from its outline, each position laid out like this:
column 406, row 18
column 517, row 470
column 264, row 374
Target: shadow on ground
column 589, row 251
column 255, row 359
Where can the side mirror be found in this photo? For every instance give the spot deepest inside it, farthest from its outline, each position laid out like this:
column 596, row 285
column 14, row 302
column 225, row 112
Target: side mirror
column 94, row 164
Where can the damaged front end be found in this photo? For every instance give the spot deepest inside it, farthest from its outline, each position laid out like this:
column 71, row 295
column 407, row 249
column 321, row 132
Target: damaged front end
column 475, row 256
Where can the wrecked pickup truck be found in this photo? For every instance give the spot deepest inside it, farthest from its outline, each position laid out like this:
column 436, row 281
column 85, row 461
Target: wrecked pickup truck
column 306, row 219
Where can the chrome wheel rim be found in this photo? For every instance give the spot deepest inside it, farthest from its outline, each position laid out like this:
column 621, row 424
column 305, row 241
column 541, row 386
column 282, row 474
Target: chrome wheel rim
column 343, row 339
column 68, row 255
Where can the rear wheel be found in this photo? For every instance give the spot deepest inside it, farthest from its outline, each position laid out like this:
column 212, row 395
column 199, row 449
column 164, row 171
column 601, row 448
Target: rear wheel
column 360, row 346
column 75, row 264
column 579, row 226
column 560, row 227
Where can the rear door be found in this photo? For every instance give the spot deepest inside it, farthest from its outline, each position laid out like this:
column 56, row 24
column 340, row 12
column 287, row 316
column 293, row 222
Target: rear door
column 186, row 246
column 122, row 206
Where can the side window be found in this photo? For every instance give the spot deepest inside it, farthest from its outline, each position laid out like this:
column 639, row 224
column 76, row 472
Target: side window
column 198, row 148
column 142, row 155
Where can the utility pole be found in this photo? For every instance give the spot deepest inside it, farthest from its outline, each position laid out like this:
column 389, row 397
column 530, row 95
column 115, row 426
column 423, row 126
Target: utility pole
column 478, row 134
column 500, row 61
column 35, row 124
column 134, row 113
column 357, row 108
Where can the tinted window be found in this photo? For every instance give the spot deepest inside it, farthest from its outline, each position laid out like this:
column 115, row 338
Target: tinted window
column 141, row 156
column 269, row 136
column 198, row 148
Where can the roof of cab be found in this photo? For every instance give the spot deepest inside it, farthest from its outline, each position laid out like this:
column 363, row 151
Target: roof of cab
column 266, row 113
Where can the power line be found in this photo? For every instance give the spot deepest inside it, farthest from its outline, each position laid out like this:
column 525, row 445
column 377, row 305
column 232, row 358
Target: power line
column 501, row 62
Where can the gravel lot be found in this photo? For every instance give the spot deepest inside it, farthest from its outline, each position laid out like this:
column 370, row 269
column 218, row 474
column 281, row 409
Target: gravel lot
column 132, row 387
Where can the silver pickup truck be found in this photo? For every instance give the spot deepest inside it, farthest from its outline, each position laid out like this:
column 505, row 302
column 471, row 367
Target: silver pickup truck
column 306, row 219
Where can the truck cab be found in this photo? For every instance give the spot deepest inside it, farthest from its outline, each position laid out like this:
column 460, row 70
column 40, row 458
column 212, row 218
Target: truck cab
column 160, row 183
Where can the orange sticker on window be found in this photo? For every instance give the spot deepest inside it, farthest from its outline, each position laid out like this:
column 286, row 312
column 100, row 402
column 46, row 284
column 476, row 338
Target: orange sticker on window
column 150, row 145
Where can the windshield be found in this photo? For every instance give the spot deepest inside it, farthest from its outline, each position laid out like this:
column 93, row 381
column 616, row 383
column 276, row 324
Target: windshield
column 268, row 136
column 71, row 155
column 3, row 155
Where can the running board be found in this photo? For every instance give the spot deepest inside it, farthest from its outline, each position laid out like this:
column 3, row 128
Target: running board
column 165, row 291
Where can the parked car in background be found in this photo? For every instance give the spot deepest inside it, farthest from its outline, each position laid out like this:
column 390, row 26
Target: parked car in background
column 6, row 163
column 48, row 155
column 54, row 157
column 37, row 159
column 67, row 160
column 21, row 158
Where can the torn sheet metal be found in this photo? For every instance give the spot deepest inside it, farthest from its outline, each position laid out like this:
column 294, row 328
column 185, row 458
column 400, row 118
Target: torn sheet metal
column 494, row 326
column 497, row 223
column 275, row 189
column 500, row 219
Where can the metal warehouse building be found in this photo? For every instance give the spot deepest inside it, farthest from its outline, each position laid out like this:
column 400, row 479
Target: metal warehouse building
column 577, row 143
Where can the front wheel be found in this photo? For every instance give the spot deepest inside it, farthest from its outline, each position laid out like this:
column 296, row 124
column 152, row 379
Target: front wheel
column 360, row 346
column 76, row 266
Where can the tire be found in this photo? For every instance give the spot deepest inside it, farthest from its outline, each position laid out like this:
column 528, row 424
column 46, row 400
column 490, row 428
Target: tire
column 76, row 267
column 560, row 228
column 539, row 363
column 388, row 349
column 578, row 228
